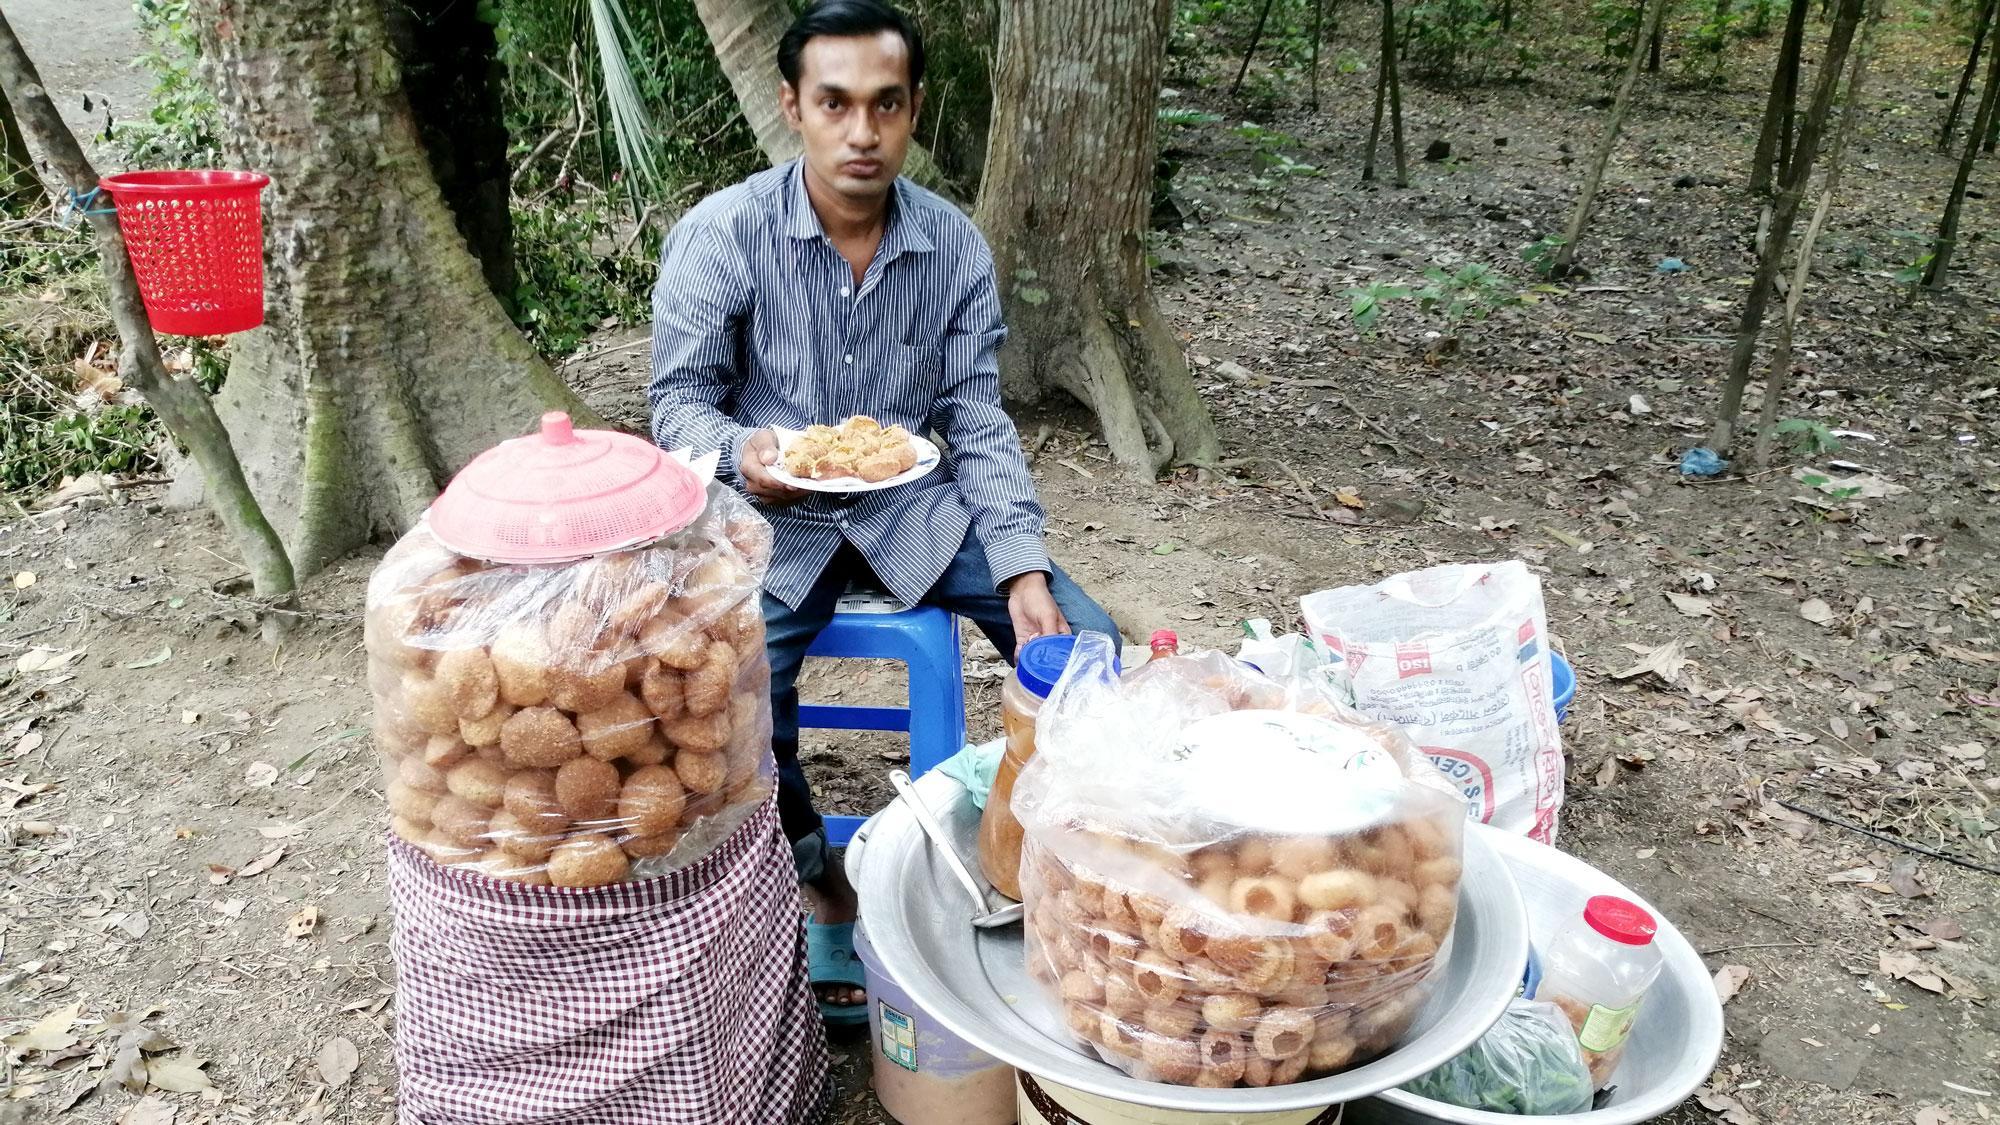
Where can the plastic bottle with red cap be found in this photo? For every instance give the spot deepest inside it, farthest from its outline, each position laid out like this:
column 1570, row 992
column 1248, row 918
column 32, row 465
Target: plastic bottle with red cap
column 1597, row 971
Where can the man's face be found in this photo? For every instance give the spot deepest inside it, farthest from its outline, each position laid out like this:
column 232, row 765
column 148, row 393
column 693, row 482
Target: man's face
column 855, row 110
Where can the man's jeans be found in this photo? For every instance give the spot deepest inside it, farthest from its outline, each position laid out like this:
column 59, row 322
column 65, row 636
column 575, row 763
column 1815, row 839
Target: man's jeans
column 965, row 588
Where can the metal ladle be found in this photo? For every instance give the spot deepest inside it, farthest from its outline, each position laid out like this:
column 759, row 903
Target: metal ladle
column 991, row 918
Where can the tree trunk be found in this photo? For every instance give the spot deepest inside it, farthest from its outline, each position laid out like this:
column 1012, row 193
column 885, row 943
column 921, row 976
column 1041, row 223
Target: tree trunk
column 1965, row 77
column 1375, row 128
column 1653, row 47
column 1608, row 140
column 1319, row 14
column 1076, row 86
column 1395, row 90
column 1947, row 236
column 1250, row 51
column 745, row 35
column 1784, row 211
column 1781, row 355
column 385, row 362
column 452, row 75
column 19, row 186
column 181, row 404
column 1778, row 107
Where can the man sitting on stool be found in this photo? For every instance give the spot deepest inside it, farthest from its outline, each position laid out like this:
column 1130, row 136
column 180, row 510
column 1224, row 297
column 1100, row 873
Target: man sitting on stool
column 829, row 287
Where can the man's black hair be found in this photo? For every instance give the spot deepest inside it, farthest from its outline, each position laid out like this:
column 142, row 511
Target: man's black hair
column 845, row 18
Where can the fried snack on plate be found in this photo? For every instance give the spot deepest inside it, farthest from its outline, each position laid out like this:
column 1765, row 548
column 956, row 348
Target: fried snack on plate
column 860, row 447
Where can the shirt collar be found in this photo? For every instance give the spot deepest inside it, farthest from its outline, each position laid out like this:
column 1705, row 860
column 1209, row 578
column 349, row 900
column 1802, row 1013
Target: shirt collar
column 900, row 235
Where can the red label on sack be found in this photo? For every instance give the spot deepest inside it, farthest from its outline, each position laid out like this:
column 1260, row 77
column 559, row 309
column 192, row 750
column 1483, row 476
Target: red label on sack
column 1412, row 660
column 1472, row 776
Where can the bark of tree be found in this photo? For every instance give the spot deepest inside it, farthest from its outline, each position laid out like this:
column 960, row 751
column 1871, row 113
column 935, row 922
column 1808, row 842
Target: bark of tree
column 385, row 361
column 1784, row 212
column 1389, row 93
column 19, row 186
column 1594, row 178
column 1319, row 15
column 1781, row 355
column 1076, row 86
column 1653, row 44
column 1250, row 52
column 180, row 403
column 1774, row 140
column 1946, row 242
column 452, row 75
column 1965, row 77
column 745, row 35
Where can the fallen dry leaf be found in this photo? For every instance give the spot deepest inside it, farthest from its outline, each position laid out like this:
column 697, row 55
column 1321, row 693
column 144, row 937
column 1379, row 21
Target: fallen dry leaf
column 1902, row 965
column 260, row 775
column 1853, row 875
column 177, row 1076
column 337, row 1061
column 1733, row 1111
column 50, row 1033
column 148, row 1110
column 1665, row 661
column 1908, row 881
column 261, row 864
column 1816, row 611
column 1944, row 929
column 1348, row 498
column 24, row 580
column 1691, row 606
column 279, row 831
column 44, row 659
column 1968, row 656
column 1729, row 981
column 1936, row 1115
column 303, row 923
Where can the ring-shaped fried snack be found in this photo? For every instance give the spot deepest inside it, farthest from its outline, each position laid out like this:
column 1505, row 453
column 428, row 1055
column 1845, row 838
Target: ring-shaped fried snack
column 1336, row 889
column 1267, row 896
column 1283, row 1033
column 1158, row 978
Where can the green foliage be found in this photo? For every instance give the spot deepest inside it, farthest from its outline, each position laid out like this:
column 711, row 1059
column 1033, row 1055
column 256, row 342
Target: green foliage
column 181, row 128
column 1454, row 40
column 1540, row 255
column 1617, row 23
column 1275, row 168
column 51, row 309
column 1468, row 294
column 1808, row 438
column 1182, row 117
column 574, row 274
column 1366, row 303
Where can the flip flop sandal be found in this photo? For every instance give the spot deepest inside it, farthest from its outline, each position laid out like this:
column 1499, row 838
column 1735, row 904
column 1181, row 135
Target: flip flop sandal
column 830, row 959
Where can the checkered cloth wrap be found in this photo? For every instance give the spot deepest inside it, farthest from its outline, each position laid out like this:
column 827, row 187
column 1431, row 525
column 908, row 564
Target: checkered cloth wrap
column 680, row 1000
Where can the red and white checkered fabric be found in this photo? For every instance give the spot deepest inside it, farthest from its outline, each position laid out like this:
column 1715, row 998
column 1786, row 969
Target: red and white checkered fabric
column 680, row 1000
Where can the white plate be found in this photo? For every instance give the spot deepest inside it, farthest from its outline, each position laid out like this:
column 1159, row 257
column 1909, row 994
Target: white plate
column 927, row 459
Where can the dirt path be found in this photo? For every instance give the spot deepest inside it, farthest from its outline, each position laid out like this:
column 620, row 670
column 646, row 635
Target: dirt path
column 85, row 51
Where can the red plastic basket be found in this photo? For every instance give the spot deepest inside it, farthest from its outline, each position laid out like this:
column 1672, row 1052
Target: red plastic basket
column 197, row 243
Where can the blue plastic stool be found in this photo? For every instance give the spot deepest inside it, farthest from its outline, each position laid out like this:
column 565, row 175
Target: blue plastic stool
column 924, row 640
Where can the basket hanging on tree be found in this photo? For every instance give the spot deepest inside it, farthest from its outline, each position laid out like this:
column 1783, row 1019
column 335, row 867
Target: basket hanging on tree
column 197, row 245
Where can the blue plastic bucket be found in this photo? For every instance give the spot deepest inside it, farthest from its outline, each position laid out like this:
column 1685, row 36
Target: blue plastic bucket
column 1562, row 681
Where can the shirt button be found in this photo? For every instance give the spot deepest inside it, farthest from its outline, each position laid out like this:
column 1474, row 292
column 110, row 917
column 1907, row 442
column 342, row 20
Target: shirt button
column 848, row 359
column 843, row 290
column 843, row 525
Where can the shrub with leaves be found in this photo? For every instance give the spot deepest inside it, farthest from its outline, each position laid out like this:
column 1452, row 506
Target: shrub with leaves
column 1468, row 294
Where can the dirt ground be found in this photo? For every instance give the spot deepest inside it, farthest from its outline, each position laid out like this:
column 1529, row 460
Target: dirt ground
column 191, row 820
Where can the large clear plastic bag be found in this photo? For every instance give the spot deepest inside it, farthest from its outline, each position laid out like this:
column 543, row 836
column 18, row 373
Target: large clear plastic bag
column 581, row 723
column 1230, row 879
column 1529, row 1063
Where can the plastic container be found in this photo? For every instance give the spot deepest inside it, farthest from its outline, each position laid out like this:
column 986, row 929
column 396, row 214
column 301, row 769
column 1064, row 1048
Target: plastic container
column 1165, row 642
column 1036, row 670
column 567, row 664
column 1597, row 970
column 924, row 1074
column 197, row 246
column 1044, row 1102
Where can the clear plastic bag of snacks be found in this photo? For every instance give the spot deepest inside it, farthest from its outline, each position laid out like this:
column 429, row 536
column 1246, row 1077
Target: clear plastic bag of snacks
column 578, row 723
column 1230, row 879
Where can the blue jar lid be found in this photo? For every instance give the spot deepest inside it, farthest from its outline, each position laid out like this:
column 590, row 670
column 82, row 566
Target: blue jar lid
column 1042, row 660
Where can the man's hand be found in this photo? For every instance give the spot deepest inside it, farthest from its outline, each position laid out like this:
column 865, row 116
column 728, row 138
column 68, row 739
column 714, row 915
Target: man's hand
column 759, row 454
column 1033, row 609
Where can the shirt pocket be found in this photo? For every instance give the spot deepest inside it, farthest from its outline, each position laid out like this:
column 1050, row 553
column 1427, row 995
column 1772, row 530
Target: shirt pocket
column 916, row 372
